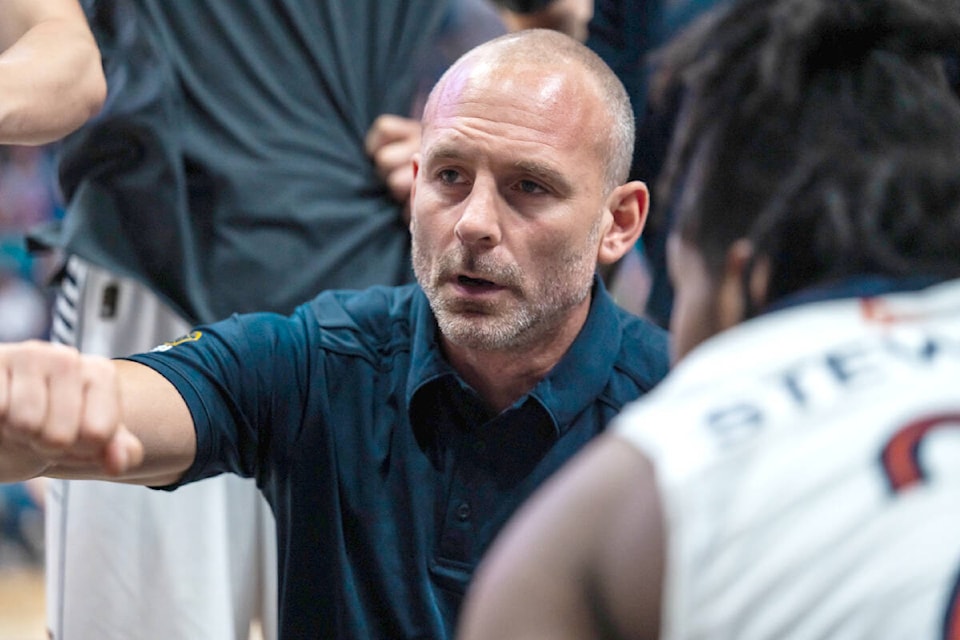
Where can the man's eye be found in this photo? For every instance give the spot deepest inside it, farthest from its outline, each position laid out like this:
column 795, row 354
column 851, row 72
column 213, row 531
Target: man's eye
column 448, row 176
column 529, row 186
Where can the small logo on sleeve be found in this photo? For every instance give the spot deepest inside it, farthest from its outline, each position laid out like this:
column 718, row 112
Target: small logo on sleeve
column 193, row 336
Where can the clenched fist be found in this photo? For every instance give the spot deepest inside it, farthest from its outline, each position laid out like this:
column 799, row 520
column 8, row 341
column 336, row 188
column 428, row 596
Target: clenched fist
column 60, row 414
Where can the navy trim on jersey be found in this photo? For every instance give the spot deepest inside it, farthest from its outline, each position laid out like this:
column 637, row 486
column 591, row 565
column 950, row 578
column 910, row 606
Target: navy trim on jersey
column 866, row 286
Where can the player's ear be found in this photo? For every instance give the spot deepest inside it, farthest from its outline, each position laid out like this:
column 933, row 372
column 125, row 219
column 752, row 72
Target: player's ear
column 745, row 283
column 627, row 206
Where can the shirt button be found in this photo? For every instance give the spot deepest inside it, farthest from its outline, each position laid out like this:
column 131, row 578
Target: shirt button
column 463, row 511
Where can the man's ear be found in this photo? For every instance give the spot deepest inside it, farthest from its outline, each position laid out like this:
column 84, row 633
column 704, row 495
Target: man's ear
column 738, row 283
column 408, row 212
column 628, row 205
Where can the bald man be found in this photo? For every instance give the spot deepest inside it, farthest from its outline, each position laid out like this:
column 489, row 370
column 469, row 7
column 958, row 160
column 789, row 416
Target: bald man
column 394, row 430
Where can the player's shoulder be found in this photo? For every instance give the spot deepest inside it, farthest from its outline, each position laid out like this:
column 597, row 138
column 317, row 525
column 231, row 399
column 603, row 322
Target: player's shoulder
column 779, row 370
column 722, row 390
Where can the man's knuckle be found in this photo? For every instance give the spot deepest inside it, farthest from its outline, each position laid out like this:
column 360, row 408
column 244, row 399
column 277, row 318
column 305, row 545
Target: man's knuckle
column 99, row 369
column 96, row 427
column 26, row 423
column 56, row 440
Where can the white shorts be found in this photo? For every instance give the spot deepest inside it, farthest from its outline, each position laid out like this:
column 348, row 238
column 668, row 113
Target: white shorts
column 126, row 562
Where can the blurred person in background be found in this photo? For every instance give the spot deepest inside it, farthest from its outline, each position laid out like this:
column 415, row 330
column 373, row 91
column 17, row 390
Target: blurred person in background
column 51, row 82
column 27, row 188
column 566, row 16
column 24, row 312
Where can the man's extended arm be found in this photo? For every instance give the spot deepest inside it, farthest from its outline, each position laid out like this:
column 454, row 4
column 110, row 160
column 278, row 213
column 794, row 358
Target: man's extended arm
column 69, row 415
column 51, row 78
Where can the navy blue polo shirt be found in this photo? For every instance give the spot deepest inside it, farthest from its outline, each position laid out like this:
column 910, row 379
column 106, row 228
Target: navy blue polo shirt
column 388, row 475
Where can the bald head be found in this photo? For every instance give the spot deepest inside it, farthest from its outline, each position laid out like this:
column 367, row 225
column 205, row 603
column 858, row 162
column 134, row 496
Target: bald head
column 540, row 50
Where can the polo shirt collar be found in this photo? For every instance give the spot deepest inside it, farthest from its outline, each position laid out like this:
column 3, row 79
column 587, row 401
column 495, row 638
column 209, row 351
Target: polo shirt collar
column 567, row 390
column 580, row 377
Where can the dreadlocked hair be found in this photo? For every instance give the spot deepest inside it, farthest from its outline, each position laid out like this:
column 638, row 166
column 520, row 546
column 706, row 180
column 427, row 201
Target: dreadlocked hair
column 825, row 132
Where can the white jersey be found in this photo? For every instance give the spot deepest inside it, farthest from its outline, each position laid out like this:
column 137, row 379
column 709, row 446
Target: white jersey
column 808, row 462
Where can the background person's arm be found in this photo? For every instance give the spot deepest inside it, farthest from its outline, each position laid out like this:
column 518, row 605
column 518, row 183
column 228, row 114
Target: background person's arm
column 391, row 142
column 69, row 415
column 51, row 78
column 571, row 17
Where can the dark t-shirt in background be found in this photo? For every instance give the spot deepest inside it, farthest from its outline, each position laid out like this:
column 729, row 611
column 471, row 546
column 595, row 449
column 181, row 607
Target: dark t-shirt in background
column 227, row 169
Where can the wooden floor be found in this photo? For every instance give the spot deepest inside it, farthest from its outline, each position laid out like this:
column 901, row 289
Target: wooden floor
column 21, row 604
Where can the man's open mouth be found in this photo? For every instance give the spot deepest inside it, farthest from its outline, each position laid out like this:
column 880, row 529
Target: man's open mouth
column 475, row 282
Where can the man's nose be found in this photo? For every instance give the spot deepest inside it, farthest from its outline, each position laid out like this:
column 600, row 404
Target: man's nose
column 479, row 222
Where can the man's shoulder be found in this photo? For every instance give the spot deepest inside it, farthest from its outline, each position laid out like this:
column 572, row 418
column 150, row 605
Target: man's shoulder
column 375, row 321
column 644, row 351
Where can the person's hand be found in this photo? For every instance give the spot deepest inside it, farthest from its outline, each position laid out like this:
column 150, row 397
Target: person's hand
column 571, row 17
column 60, row 414
column 391, row 142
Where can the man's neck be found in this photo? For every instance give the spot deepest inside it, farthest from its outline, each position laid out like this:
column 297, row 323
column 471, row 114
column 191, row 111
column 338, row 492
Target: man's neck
column 501, row 377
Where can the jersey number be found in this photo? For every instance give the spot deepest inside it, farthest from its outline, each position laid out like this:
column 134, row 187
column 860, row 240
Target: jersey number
column 901, row 462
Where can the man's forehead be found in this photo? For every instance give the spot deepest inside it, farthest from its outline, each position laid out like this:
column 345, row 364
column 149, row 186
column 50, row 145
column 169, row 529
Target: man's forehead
column 534, row 83
column 504, row 141
column 458, row 150
column 548, row 105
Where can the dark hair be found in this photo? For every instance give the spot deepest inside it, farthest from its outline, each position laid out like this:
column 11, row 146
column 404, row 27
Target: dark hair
column 825, row 132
